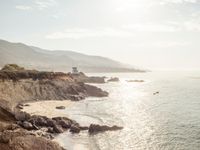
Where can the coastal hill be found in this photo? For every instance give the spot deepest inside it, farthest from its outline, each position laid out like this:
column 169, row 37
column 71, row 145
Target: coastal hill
column 41, row 59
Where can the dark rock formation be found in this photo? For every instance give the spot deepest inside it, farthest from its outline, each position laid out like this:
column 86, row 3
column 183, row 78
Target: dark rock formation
column 75, row 129
column 64, row 123
column 94, row 91
column 83, row 128
column 23, row 140
column 95, row 128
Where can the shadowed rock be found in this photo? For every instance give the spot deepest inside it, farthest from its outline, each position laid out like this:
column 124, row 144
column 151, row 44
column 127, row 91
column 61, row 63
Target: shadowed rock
column 27, row 125
column 75, row 129
column 94, row 128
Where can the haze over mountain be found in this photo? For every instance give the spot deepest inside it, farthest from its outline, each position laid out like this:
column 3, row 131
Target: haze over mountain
column 34, row 57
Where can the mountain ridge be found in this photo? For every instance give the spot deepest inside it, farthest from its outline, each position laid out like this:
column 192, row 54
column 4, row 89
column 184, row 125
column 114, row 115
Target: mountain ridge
column 57, row 60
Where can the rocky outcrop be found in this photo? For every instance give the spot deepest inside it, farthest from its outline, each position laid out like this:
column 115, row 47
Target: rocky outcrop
column 97, row 92
column 95, row 128
column 29, row 90
column 60, row 124
column 52, row 125
column 12, row 137
column 22, row 140
column 113, row 79
column 81, row 77
column 134, row 80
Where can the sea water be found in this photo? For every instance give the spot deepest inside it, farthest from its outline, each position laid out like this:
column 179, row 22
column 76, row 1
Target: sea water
column 164, row 121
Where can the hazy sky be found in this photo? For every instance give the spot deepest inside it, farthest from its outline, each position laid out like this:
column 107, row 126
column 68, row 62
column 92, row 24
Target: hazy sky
column 154, row 34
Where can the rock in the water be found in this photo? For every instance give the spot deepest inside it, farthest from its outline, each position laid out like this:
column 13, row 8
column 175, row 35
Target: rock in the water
column 94, row 128
column 135, row 80
column 156, row 93
column 95, row 91
column 60, row 107
column 75, row 129
column 113, row 79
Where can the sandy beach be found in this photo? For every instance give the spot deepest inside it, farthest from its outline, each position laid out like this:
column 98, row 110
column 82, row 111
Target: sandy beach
column 47, row 108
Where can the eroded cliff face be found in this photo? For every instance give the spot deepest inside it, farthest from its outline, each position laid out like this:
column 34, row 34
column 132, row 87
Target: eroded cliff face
column 29, row 90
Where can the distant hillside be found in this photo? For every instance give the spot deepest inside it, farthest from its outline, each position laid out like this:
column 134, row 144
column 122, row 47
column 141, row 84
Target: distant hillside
column 37, row 58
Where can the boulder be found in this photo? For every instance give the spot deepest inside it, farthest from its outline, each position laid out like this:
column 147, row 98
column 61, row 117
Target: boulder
column 60, row 107
column 27, row 125
column 94, row 128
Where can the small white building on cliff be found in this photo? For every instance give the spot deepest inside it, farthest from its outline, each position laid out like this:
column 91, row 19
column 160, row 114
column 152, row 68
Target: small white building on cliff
column 75, row 70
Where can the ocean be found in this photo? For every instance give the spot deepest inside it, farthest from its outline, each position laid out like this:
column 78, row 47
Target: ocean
column 165, row 121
